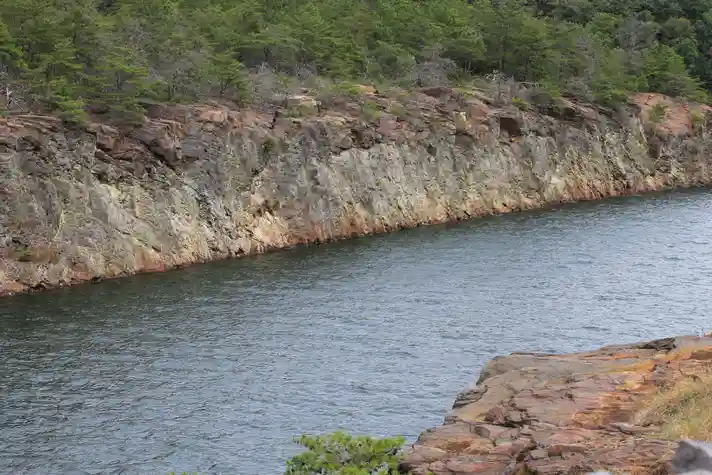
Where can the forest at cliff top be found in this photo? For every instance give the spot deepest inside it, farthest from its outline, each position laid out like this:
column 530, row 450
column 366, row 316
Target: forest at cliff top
column 111, row 56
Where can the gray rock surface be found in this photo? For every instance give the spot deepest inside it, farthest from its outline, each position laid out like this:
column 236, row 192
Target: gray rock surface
column 693, row 457
column 206, row 182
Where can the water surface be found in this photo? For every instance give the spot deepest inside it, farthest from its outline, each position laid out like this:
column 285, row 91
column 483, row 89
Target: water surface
column 216, row 367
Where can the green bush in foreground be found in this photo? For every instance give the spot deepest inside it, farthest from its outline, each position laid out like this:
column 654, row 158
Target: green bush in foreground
column 343, row 454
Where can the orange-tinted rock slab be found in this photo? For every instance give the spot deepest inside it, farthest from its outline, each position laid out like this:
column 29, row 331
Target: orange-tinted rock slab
column 561, row 414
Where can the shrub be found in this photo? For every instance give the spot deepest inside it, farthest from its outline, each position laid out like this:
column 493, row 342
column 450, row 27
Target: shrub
column 657, row 113
column 521, row 104
column 698, row 120
column 268, row 146
column 544, row 95
column 346, row 88
column 398, row 111
column 371, row 111
column 343, row 454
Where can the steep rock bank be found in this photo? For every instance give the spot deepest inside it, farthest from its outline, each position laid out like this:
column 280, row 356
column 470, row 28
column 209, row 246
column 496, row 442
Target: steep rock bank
column 562, row 414
column 208, row 182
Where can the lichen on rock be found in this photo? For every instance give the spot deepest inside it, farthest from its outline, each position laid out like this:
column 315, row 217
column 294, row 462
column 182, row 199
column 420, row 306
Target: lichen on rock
column 197, row 183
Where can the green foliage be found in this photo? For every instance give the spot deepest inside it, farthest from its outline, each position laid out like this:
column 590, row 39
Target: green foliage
column 698, row 120
column 347, row 88
column 229, row 74
column 657, row 113
column 110, row 56
column 545, row 95
column 398, row 111
column 371, row 111
column 269, row 145
column 521, row 104
column 343, row 454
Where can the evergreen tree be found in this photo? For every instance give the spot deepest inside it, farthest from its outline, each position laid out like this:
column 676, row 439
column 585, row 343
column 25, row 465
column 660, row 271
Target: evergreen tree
column 107, row 56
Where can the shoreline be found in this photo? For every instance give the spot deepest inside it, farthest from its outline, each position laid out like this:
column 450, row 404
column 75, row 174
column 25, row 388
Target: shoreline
column 572, row 413
column 543, row 208
column 203, row 183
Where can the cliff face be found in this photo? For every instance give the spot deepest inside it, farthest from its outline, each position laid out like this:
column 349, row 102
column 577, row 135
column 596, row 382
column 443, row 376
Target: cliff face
column 567, row 414
column 206, row 182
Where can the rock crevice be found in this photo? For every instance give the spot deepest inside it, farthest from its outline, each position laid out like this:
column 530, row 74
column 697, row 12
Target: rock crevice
column 208, row 182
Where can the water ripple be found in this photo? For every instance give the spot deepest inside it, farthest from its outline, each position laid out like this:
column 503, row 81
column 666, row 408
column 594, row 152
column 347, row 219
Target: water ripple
column 215, row 368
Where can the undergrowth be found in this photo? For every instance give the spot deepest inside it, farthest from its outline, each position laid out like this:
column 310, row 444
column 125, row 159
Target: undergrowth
column 684, row 409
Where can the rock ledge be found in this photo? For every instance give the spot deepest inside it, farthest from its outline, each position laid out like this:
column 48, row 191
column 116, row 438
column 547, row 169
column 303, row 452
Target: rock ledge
column 562, row 414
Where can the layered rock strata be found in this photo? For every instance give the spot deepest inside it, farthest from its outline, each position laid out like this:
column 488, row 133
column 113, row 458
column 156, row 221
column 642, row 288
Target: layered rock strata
column 198, row 183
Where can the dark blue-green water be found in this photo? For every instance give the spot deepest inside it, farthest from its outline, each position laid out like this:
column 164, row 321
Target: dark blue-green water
column 216, row 367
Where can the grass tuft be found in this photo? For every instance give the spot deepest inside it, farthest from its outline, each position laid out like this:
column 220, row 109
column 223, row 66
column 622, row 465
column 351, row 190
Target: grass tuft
column 684, row 409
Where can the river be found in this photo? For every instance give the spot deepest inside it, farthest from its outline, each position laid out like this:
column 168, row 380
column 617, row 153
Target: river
column 215, row 368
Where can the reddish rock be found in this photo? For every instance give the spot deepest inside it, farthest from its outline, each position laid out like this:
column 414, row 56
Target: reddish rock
column 573, row 413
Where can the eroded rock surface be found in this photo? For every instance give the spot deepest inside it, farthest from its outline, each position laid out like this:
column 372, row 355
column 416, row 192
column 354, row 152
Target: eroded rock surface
column 207, row 182
column 564, row 414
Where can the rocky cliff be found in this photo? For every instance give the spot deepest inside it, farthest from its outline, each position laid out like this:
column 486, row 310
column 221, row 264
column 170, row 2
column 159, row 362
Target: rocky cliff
column 570, row 414
column 208, row 182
